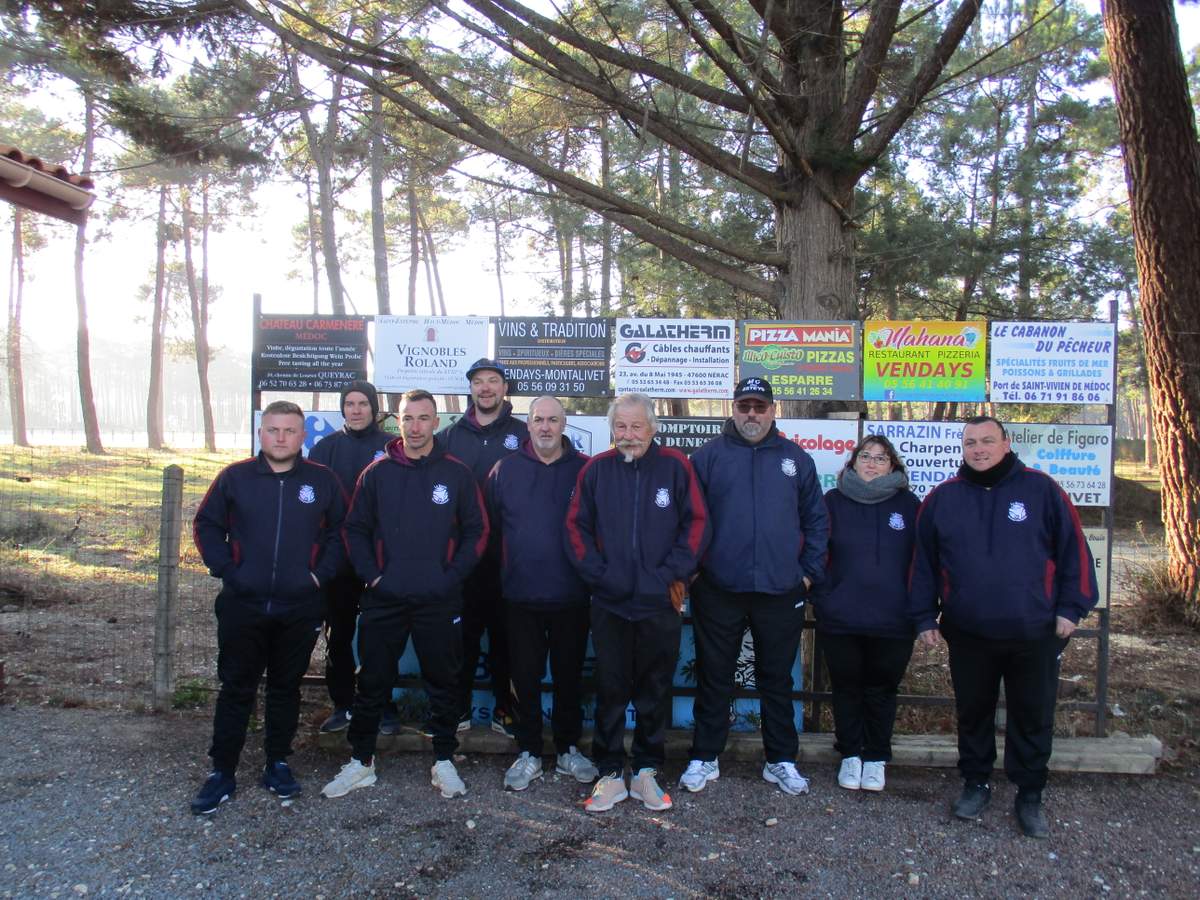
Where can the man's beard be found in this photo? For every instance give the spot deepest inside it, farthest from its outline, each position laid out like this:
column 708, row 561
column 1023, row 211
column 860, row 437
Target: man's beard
column 751, row 430
column 626, row 448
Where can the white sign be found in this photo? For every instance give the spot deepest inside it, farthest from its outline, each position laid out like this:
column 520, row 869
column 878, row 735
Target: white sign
column 430, row 352
column 676, row 357
column 1053, row 362
column 1097, row 539
column 317, row 424
column 828, row 441
column 1079, row 457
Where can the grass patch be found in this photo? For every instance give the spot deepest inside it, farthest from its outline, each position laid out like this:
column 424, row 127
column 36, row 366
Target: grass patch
column 191, row 694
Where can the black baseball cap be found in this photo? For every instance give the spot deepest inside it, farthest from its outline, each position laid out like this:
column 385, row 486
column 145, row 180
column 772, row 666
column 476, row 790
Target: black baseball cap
column 754, row 387
column 484, row 363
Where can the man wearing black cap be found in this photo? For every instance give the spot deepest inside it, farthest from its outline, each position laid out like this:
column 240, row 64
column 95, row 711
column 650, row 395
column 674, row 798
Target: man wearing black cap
column 770, row 530
column 348, row 452
column 485, row 434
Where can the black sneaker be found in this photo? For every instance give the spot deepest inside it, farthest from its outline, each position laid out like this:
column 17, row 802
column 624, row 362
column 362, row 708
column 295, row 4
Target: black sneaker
column 503, row 723
column 1030, row 817
column 389, row 722
column 278, row 779
column 972, row 801
column 338, row 721
column 217, row 788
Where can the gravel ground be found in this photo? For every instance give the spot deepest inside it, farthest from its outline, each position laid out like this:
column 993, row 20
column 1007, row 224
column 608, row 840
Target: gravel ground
column 94, row 802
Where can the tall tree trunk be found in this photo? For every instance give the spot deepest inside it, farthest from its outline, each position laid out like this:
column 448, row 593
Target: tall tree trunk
column 1162, row 171
column 199, row 308
column 431, row 264
column 585, row 281
column 414, row 245
column 383, row 296
column 499, row 254
column 606, row 227
column 91, row 423
column 154, row 395
column 313, row 264
column 1150, row 452
column 16, row 296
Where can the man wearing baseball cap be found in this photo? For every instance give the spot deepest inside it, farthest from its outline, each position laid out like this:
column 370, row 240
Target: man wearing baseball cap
column 485, row 434
column 770, row 530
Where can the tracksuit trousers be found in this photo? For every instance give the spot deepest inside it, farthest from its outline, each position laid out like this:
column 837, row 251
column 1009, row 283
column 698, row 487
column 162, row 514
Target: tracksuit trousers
column 719, row 621
column 865, row 673
column 383, row 632
column 249, row 642
column 484, row 610
column 341, row 619
column 534, row 633
column 635, row 661
column 1029, row 670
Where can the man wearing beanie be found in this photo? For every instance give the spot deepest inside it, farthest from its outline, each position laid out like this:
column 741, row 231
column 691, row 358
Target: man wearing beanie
column 348, row 452
column 770, row 529
column 485, row 434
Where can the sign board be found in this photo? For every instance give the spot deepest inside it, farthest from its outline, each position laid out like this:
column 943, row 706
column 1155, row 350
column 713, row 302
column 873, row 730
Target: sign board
column 1079, row 457
column 924, row 360
column 560, row 357
column 687, row 358
column 308, row 353
column 1097, row 539
column 430, row 352
column 803, row 360
column 1053, row 362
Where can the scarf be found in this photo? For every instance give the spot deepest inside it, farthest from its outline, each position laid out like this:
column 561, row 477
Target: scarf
column 876, row 490
column 989, row 478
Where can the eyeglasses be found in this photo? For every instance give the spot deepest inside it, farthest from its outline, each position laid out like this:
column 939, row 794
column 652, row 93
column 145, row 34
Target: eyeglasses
column 745, row 406
column 879, row 459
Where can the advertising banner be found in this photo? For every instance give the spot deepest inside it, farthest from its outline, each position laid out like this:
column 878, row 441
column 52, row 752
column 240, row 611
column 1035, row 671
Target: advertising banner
column 924, row 361
column 1053, row 362
column 686, row 358
column 430, row 352
column 308, row 353
column 803, row 360
column 1097, row 539
column 561, row 357
column 1079, row 457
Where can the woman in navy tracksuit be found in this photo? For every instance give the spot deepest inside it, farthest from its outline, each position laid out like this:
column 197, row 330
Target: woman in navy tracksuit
column 861, row 606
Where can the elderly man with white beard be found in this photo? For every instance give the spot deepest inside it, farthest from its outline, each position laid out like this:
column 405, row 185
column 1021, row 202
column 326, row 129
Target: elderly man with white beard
column 636, row 529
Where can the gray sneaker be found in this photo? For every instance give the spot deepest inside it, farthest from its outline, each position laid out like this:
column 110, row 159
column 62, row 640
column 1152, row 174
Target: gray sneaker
column 576, row 765
column 698, row 773
column 522, row 772
column 785, row 775
column 608, row 792
column 354, row 775
column 445, row 779
column 644, row 786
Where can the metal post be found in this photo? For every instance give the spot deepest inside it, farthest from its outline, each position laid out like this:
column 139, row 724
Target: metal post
column 166, row 613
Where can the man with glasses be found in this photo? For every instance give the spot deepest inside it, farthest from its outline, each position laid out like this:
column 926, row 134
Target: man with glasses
column 1001, row 556
column 770, row 528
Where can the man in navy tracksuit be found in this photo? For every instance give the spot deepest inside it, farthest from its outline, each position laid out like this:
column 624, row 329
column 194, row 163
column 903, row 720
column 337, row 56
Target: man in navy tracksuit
column 270, row 529
column 635, row 531
column 770, row 528
column 486, row 434
column 415, row 529
column 348, row 452
column 527, row 493
column 1001, row 555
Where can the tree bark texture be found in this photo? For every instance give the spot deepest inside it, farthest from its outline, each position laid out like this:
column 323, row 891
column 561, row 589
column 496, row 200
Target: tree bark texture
column 16, row 296
column 1162, row 172
column 83, row 351
column 154, row 394
column 199, row 307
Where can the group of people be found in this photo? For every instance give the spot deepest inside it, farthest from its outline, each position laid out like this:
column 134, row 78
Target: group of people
column 503, row 526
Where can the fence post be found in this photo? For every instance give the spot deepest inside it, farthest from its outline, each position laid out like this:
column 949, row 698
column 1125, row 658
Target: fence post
column 168, row 586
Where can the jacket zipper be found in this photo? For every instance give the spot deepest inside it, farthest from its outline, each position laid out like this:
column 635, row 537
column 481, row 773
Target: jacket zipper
column 275, row 555
column 637, row 508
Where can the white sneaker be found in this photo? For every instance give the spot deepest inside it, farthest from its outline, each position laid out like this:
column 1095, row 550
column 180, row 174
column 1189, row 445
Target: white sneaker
column 699, row 773
column 644, row 786
column 872, row 776
column 785, row 775
column 850, row 775
column 354, row 775
column 445, row 778
column 522, row 772
column 576, row 765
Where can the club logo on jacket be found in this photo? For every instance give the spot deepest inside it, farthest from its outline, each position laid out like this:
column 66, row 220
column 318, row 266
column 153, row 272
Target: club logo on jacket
column 379, row 454
column 441, row 494
column 1016, row 511
column 789, row 467
column 662, row 499
column 896, row 522
column 307, row 494
column 511, row 442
